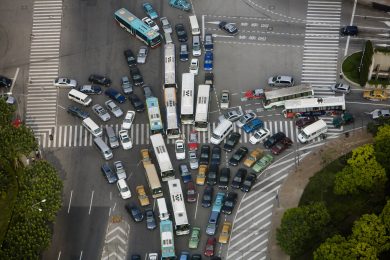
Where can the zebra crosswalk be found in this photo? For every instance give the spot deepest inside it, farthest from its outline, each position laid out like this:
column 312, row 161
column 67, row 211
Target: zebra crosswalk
column 78, row 136
column 321, row 46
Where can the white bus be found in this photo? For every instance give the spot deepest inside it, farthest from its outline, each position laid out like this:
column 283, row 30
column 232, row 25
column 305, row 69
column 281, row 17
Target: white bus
column 182, row 227
column 314, row 106
column 195, row 30
column 172, row 125
column 162, row 156
column 153, row 180
column 187, row 99
column 202, row 108
column 277, row 98
column 169, row 64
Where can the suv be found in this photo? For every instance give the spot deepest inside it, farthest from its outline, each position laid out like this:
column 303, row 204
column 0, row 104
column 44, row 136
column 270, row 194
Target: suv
column 281, row 81
column 130, row 58
column 136, row 102
column 208, row 42
column 271, row 141
column 204, row 155
column 238, row 178
column 183, row 52
column 101, row 80
column 212, row 176
column 127, row 87
column 224, row 177
column 196, row 50
column 181, row 32
column 136, row 76
column 216, row 155
column 231, row 141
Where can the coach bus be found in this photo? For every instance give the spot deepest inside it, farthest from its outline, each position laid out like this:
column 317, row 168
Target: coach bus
column 277, row 98
column 153, row 180
column 202, row 108
column 182, row 227
column 167, row 240
column 187, row 99
column 162, row 156
column 154, row 115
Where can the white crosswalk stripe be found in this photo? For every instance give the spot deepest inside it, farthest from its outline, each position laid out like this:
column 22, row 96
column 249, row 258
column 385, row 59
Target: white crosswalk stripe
column 320, row 53
column 41, row 104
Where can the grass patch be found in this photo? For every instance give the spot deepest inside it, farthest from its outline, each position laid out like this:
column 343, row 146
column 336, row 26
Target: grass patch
column 351, row 67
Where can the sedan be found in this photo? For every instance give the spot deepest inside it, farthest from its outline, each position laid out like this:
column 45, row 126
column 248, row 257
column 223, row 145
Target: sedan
column 210, row 246
column 207, row 196
column 231, row 141
column 193, row 159
column 115, row 95
column 75, row 111
column 5, row 82
column 194, row 238
column 216, row 155
column 65, row 82
column 259, row 135
column 148, row 92
column 246, row 119
column 111, row 106
column 224, row 177
column 191, row 192
column 180, row 4
column 91, row 89
column 128, row 121
column 181, row 32
column 208, row 61
column 271, row 141
column 123, row 189
column 204, row 155
column 150, row 219
column 185, row 173
column 194, row 66
column 232, row 116
column 108, row 173
column 167, row 28
column 341, row 88
column 253, row 125
column 183, row 54
column 136, row 76
column 142, row 54
column 193, row 142
column 280, row 146
column 101, row 112
column 228, row 27
column 208, row 42
column 238, row 156
column 149, row 22
column 238, row 178
column 250, row 179
column 125, row 140
column 136, row 103
column 130, row 58
column 127, row 87
column 101, row 80
column 180, row 150
column 225, row 232
column 135, row 212
column 212, row 176
column 225, row 99
column 120, row 170
column 229, row 203
column 149, row 10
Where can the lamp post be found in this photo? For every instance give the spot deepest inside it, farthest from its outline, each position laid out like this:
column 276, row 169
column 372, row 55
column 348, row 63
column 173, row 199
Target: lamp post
column 35, row 205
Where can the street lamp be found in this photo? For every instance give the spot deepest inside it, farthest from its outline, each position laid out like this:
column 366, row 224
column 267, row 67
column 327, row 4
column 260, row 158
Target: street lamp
column 35, row 205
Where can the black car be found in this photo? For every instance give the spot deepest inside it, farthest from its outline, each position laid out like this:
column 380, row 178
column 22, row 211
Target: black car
column 150, row 219
column 130, row 58
column 91, row 89
column 238, row 156
column 108, row 173
column 135, row 257
column 101, row 80
column 231, row 141
column 351, row 30
column 5, row 82
column 207, row 196
column 181, row 32
column 250, row 179
column 204, row 155
column 238, row 178
column 216, row 155
column 135, row 212
column 272, row 140
column 148, row 92
column 75, row 111
column 228, row 27
column 229, row 203
column 224, row 177
column 136, row 76
column 137, row 103
column 212, row 176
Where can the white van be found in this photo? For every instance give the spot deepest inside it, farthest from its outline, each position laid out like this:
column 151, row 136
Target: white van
column 103, row 148
column 162, row 209
column 221, row 131
column 195, row 30
column 312, row 131
column 92, row 127
column 79, row 97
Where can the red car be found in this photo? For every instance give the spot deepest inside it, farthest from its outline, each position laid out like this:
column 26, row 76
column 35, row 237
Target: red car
column 302, row 122
column 280, row 146
column 254, row 94
column 191, row 192
column 193, row 141
column 210, row 246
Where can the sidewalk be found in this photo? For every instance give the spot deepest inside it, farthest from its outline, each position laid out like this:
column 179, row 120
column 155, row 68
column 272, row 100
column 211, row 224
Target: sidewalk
column 291, row 190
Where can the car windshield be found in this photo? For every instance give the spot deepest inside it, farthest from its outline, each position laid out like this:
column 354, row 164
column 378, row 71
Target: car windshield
column 237, row 178
column 247, row 183
column 212, row 175
column 191, row 192
column 229, row 203
column 224, row 179
column 207, row 197
column 237, row 156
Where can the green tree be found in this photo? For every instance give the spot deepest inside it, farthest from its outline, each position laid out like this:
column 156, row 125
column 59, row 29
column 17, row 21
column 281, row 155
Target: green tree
column 6, row 113
column 335, row 248
column 362, row 173
column 385, row 216
column 382, row 147
column 300, row 228
column 365, row 251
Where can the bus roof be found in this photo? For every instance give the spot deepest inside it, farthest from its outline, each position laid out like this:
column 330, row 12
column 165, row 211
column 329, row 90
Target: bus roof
column 171, row 108
column 177, row 200
column 161, row 152
column 169, row 52
column 202, row 103
column 315, row 102
column 187, row 93
column 152, row 176
column 273, row 94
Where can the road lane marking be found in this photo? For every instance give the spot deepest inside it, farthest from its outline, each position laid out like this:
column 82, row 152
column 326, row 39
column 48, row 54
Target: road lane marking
column 90, row 205
column 81, row 255
column 196, row 208
column 59, row 255
column 70, row 200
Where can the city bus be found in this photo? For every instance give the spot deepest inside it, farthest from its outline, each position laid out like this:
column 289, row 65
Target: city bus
column 182, row 227
column 276, row 98
column 172, row 124
column 202, row 108
column 154, row 115
column 135, row 26
column 153, row 180
column 187, row 99
column 314, row 106
column 162, row 156
column 167, row 240
column 169, row 64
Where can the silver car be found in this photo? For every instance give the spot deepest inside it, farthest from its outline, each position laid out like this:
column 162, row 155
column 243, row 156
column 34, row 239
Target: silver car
column 111, row 106
column 65, row 82
column 127, row 87
column 246, row 119
column 232, row 116
column 166, row 25
column 142, row 55
column 111, row 136
column 101, row 112
column 194, row 162
column 341, row 88
column 120, row 170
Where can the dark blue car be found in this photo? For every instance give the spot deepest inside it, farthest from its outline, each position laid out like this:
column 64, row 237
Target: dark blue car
column 208, row 61
column 108, row 173
column 115, row 95
column 185, row 173
column 253, row 125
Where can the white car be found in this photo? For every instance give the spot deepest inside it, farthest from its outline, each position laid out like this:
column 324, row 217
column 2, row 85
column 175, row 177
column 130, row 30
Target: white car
column 225, row 99
column 380, row 113
column 65, row 82
column 120, row 170
column 259, row 135
column 232, row 116
column 246, row 119
column 111, row 106
column 166, row 25
column 123, row 189
column 193, row 158
column 180, row 149
column 341, row 88
column 101, row 112
column 153, row 256
column 125, row 140
column 128, row 121
column 142, row 54
column 151, row 23
column 194, row 66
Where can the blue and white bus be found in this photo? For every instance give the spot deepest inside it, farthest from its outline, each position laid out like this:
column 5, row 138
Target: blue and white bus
column 135, row 26
column 167, row 240
column 154, row 115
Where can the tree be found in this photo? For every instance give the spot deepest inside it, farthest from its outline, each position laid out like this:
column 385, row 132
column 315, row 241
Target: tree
column 382, row 147
column 385, row 216
column 6, row 113
column 335, row 248
column 301, row 227
column 362, row 173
